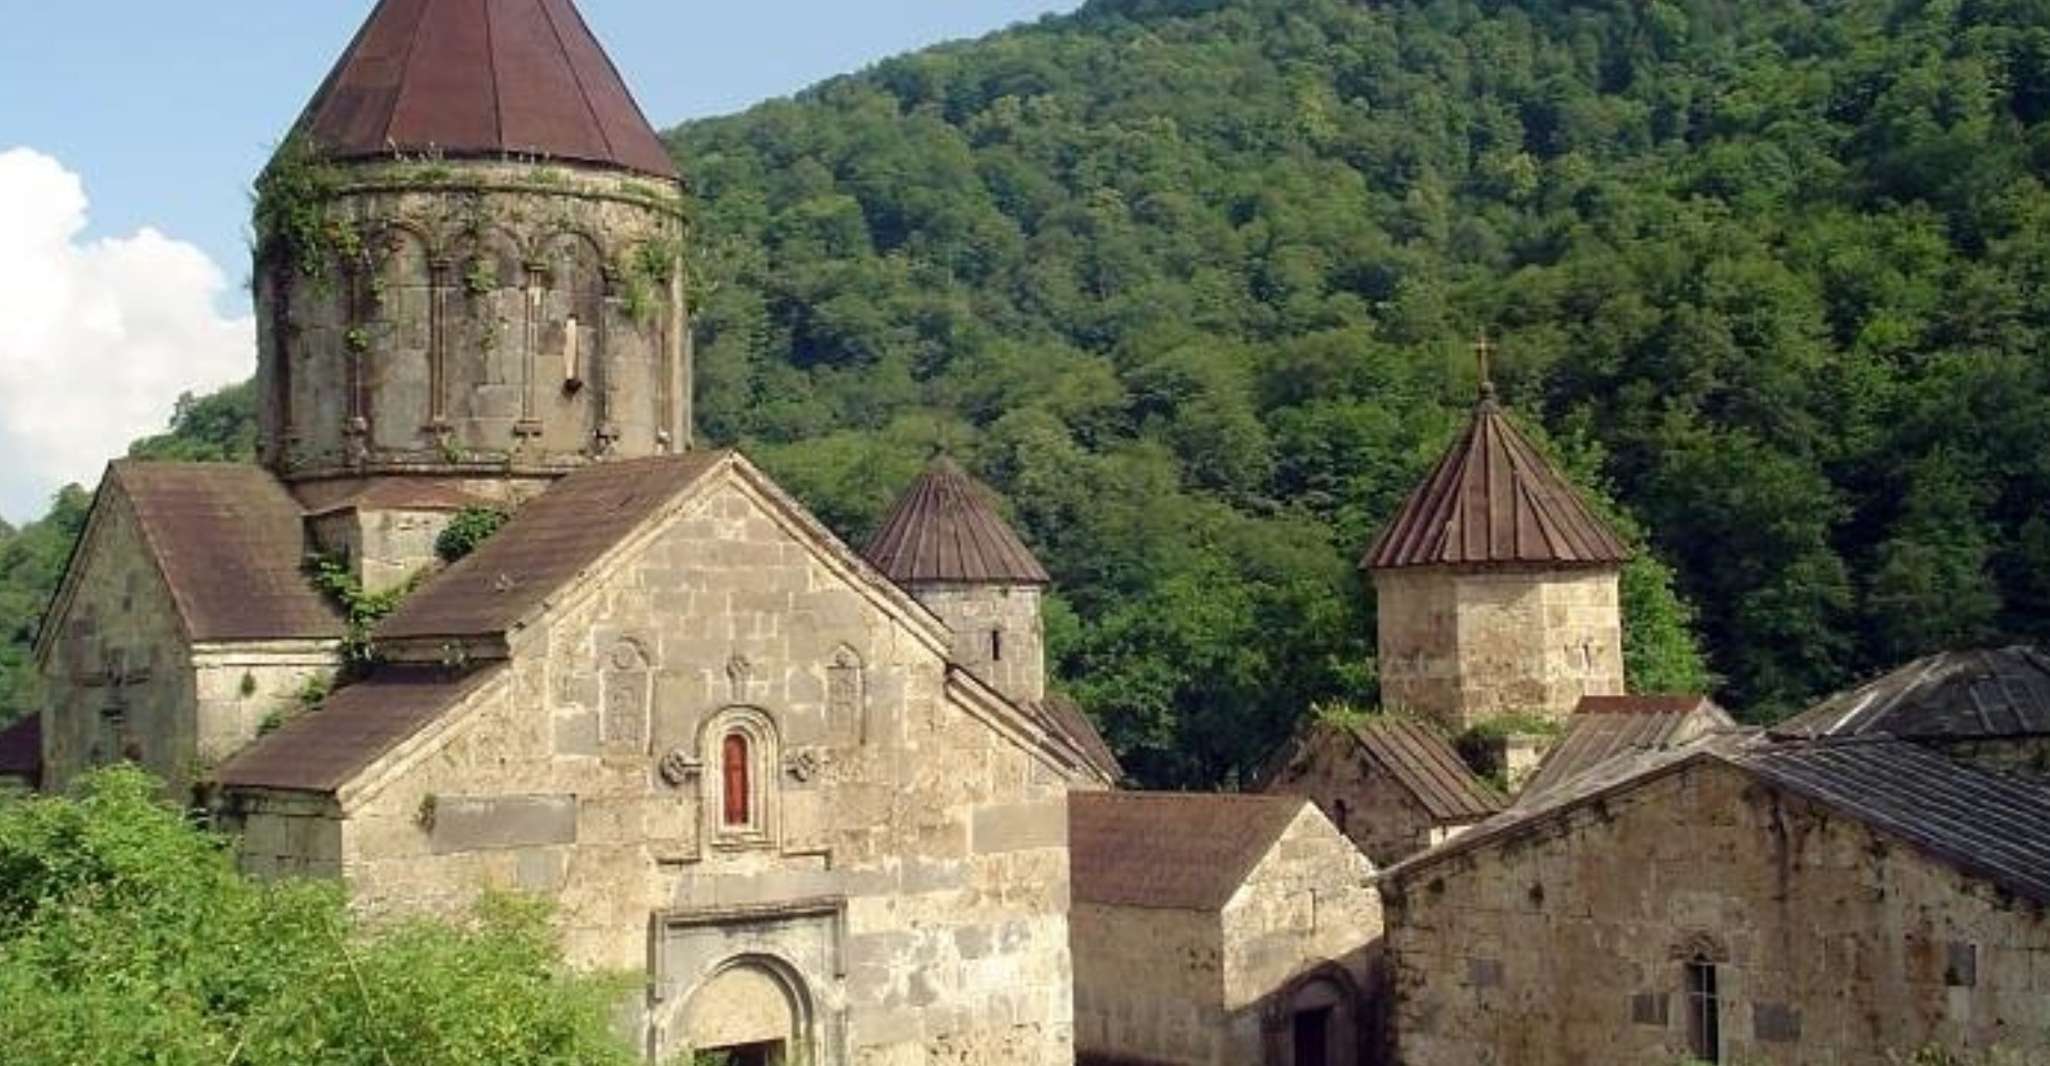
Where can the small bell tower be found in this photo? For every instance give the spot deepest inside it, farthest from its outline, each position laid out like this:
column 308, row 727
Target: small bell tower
column 1497, row 587
column 946, row 545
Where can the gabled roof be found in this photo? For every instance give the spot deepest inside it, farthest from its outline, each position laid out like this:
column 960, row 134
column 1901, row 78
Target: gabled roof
column 1493, row 499
column 388, row 494
column 231, row 545
column 1987, row 825
column 1064, row 716
column 550, row 541
column 324, row 749
column 943, row 529
column 481, row 78
column 1952, row 695
column 1603, row 727
column 21, row 750
column 1416, row 756
column 1170, row 850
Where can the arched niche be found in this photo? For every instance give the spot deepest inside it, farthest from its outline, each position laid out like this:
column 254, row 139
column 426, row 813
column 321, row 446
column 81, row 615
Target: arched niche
column 569, row 338
column 398, row 308
column 486, row 339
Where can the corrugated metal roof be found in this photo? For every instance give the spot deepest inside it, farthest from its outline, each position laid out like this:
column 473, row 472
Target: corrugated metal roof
column 549, row 542
column 1418, row 757
column 322, row 750
column 943, row 529
column 231, row 544
column 1170, row 850
column 1493, row 499
column 1957, row 694
column 1603, row 727
column 1992, row 826
column 481, row 78
column 21, row 750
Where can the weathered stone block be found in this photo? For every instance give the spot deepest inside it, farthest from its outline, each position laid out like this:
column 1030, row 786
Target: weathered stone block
column 482, row 823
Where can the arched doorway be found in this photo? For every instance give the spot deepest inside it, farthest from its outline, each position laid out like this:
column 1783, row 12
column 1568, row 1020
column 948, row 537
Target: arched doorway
column 1317, row 1021
column 754, row 1011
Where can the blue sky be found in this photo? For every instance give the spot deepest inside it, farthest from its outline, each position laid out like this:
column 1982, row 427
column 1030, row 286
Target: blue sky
column 130, row 130
column 166, row 107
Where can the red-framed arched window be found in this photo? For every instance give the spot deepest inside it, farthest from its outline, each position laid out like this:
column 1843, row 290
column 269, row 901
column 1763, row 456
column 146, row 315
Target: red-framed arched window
column 735, row 769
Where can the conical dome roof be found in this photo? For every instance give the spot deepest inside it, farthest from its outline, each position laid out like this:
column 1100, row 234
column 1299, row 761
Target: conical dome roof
column 481, row 78
column 944, row 530
column 1494, row 500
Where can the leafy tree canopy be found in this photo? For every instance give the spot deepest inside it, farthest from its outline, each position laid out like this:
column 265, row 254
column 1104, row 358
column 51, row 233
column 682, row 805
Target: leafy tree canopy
column 126, row 936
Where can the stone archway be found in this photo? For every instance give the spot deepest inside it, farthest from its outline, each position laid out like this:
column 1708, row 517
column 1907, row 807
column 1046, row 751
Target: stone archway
column 1319, row 1019
column 752, row 1011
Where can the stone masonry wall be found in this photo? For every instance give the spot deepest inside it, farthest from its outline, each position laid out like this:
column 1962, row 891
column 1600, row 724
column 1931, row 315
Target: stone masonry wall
column 1839, row 946
column 1467, row 646
column 476, row 317
column 1304, row 914
column 906, row 866
column 1149, row 986
column 998, row 634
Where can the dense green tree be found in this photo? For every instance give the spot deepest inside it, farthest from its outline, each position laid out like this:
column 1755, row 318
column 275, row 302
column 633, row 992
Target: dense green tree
column 126, row 936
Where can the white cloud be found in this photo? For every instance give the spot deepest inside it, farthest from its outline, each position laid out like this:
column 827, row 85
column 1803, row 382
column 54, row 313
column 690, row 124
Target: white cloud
column 97, row 338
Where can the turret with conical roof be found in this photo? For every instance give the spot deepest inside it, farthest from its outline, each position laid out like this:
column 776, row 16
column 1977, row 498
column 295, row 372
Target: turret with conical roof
column 468, row 262
column 947, row 546
column 1496, row 585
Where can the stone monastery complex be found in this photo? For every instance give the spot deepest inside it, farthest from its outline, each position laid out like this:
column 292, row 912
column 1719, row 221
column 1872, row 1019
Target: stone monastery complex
column 821, row 797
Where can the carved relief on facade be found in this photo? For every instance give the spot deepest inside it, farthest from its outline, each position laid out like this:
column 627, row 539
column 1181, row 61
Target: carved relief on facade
column 626, row 684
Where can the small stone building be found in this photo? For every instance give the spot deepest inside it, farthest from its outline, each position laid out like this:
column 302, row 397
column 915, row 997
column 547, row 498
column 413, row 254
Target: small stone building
column 1733, row 900
column 1391, row 784
column 1606, row 727
column 1223, row 930
column 1496, row 586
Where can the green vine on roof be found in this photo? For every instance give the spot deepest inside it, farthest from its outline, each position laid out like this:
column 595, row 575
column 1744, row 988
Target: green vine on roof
column 293, row 216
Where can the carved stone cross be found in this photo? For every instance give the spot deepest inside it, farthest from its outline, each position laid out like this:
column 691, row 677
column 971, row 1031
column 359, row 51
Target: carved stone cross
column 116, row 676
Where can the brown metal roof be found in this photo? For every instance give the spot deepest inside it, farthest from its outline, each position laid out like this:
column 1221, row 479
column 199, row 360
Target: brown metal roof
column 944, row 530
column 1170, row 850
column 550, row 541
column 1494, row 499
column 21, row 750
column 322, row 750
column 387, row 494
column 1418, row 757
column 1957, row 694
column 481, row 78
column 1603, row 727
column 1064, row 715
column 231, row 544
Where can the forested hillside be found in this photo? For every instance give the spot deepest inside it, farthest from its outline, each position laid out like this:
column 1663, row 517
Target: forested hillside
column 1193, row 283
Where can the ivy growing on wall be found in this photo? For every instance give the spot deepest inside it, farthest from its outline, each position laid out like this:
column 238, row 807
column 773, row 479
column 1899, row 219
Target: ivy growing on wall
column 332, row 575
column 293, row 216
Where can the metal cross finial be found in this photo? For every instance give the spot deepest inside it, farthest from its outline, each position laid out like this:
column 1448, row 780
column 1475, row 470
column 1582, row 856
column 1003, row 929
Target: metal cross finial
column 1484, row 353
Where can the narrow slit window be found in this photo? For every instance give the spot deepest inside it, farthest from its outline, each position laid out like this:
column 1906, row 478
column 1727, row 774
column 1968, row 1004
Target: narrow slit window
column 734, row 758
column 996, row 645
column 572, row 355
column 1704, row 1011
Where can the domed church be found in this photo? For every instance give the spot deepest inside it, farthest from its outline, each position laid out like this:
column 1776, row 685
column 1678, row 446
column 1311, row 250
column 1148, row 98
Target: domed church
column 818, row 796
